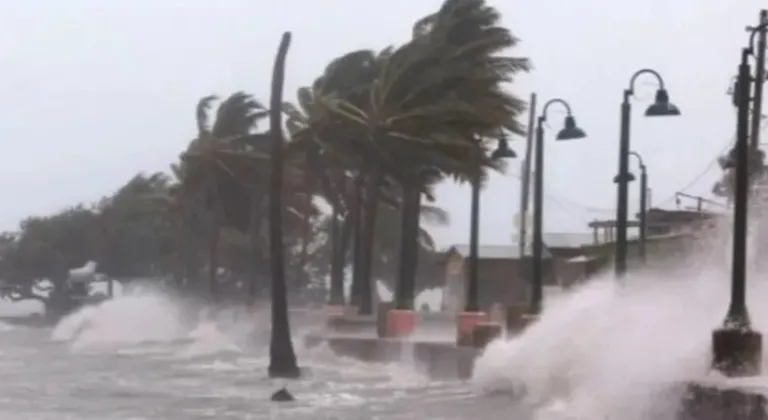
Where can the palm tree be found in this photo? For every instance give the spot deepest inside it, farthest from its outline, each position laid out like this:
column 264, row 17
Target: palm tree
column 424, row 112
column 330, row 143
column 282, row 359
column 308, row 123
column 385, row 255
column 136, row 227
column 208, row 182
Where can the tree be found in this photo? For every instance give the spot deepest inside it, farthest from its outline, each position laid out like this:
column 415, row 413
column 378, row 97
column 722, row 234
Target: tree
column 124, row 235
column 387, row 236
column 282, row 359
column 319, row 140
column 136, row 232
column 209, row 184
column 372, row 136
column 423, row 111
column 35, row 263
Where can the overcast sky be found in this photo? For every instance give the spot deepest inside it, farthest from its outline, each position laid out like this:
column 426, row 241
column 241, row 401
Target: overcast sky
column 95, row 91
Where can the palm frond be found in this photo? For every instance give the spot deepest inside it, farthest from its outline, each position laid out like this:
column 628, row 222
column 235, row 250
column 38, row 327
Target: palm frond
column 202, row 111
column 434, row 215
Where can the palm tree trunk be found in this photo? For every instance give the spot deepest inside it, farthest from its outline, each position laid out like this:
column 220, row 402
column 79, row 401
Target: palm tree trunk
column 300, row 275
column 213, row 258
column 357, row 240
column 282, row 358
column 338, row 252
column 191, row 253
column 254, row 239
column 367, row 288
column 180, row 263
column 409, row 247
column 344, row 257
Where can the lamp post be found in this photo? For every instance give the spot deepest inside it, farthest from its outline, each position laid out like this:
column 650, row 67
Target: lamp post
column 660, row 108
column 472, row 303
column 643, row 204
column 736, row 348
column 472, row 313
column 569, row 132
column 757, row 104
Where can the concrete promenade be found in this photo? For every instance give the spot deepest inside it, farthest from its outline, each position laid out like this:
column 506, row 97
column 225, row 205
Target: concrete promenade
column 431, row 349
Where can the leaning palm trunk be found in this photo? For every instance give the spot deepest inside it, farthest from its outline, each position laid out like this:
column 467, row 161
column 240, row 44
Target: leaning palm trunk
column 338, row 252
column 343, row 256
column 192, row 262
column 180, row 262
column 190, row 251
column 213, row 257
column 282, row 359
column 254, row 239
column 356, row 214
column 409, row 246
column 300, row 274
column 367, row 288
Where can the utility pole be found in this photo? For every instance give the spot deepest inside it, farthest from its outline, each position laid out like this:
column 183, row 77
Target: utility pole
column 757, row 106
column 643, row 212
column 525, row 184
column 757, row 103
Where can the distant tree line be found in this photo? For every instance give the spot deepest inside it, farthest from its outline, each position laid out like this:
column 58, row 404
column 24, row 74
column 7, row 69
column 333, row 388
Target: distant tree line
column 341, row 180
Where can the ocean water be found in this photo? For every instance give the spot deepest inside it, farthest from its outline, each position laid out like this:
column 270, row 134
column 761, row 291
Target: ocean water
column 601, row 351
column 134, row 358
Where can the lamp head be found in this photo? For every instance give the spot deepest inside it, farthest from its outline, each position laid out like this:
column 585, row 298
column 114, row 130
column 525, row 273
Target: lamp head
column 570, row 131
column 503, row 151
column 661, row 107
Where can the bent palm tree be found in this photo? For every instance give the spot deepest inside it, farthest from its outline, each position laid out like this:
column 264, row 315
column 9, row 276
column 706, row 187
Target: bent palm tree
column 282, row 359
column 429, row 107
column 206, row 180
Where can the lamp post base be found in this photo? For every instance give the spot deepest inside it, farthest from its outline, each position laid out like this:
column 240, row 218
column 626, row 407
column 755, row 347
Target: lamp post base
column 466, row 325
column 528, row 319
column 484, row 333
column 707, row 402
column 335, row 310
column 519, row 323
column 382, row 318
column 514, row 318
column 737, row 352
column 400, row 323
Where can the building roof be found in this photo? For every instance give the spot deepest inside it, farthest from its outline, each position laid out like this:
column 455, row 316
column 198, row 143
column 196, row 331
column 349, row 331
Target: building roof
column 551, row 240
column 493, row 252
column 563, row 239
column 657, row 217
column 581, row 259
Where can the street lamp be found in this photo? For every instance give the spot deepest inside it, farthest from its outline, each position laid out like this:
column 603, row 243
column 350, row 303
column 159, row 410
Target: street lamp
column 643, row 203
column 661, row 107
column 569, row 132
column 472, row 315
column 472, row 303
column 503, row 151
column 736, row 348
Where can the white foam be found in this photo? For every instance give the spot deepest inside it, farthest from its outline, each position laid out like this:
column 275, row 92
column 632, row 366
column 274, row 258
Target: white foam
column 139, row 317
column 207, row 339
column 609, row 350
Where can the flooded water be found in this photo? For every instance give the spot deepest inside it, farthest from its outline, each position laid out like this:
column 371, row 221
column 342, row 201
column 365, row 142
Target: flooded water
column 133, row 359
column 603, row 351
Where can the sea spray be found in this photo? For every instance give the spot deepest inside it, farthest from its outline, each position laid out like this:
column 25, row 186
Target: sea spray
column 618, row 350
column 206, row 340
column 140, row 317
